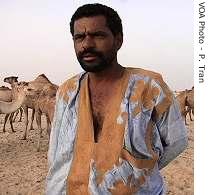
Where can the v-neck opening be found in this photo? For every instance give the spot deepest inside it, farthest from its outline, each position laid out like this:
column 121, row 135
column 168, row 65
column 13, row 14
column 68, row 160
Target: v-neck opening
column 111, row 113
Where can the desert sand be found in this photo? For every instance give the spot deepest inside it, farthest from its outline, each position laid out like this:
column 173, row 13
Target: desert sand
column 23, row 169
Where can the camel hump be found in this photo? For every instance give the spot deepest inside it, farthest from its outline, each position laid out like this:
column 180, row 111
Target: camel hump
column 42, row 78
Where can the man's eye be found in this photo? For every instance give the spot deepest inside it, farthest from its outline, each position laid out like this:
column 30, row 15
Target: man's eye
column 78, row 38
column 100, row 36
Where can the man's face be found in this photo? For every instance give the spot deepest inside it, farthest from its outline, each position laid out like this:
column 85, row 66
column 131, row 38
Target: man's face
column 94, row 43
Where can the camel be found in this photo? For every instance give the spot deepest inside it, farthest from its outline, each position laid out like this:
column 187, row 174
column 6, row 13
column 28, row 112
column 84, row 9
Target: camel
column 6, row 95
column 39, row 85
column 181, row 98
column 186, row 102
column 11, row 80
column 42, row 101
column 20, row 91
column 45, row 105
column 28, row 103
column 190, row 102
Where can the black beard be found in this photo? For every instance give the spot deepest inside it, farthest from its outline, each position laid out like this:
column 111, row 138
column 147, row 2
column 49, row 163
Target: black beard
column 102, row 64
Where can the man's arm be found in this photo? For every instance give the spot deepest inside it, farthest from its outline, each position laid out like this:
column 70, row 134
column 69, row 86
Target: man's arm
column 173, row 134
column 171, row 152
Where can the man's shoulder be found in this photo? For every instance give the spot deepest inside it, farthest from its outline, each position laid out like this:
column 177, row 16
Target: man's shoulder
column 68, row 86
column 146, row 73
column 156, row 77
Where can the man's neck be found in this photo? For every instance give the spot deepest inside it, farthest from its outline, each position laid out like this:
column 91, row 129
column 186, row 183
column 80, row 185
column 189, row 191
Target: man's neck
column 109, row 75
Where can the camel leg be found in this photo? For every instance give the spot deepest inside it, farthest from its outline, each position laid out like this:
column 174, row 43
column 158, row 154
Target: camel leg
column 21, row 112
column 16, row 113
column 185, row 116
column 1, row 120
column 32, row 119
column 188, row 111
column 11, row 121
column 190, row 115
column 185, row 121
column 5, row 121
column 26, row 122
column 48, row 126
column 38, row 121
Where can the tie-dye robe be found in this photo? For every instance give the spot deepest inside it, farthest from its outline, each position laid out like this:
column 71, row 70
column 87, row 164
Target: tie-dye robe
column 142, row 132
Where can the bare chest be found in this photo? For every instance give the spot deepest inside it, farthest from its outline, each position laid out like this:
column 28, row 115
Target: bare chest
column 99, row 100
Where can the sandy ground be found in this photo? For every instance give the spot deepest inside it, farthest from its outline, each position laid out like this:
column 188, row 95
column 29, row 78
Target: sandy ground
column 23, row 169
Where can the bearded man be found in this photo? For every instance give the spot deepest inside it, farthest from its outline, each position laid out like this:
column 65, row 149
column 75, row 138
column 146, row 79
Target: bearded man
column 114, row 128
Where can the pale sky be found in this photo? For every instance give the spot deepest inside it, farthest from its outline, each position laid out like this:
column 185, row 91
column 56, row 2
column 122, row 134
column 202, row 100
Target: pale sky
column 35, row 38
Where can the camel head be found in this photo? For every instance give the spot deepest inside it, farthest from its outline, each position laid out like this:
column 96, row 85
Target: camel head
column 11, row 79
column 22, row 89
column 4, row 88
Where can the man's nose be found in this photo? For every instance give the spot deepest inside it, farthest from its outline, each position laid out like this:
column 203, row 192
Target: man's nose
column 88, row 42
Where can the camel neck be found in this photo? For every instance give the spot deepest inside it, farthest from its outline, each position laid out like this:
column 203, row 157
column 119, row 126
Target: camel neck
column 9, row 107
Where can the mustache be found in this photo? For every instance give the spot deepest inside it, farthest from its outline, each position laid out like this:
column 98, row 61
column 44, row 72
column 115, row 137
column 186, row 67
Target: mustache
column 89, row 51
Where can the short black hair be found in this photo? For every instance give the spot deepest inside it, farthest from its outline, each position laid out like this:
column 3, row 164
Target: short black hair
column 113, row 20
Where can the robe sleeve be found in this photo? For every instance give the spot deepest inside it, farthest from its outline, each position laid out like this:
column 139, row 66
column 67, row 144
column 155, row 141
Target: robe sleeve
column 171, row 127
column 59, row 109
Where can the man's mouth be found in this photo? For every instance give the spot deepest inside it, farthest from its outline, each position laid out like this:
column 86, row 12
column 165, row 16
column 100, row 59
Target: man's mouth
column 89, row 57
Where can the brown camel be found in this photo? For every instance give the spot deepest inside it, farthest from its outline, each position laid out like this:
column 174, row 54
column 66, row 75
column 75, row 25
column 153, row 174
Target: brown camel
column 181, row 98
column 11, row 80
column 42, row 101
column 19, row 93
column 186, row 102
column 30, row 100
column 6, row 96
column 190, row 102
column 45, row 105
column 39, row 85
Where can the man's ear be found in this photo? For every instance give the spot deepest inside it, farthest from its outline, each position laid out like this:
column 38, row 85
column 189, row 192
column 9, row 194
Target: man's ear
column 118, row 41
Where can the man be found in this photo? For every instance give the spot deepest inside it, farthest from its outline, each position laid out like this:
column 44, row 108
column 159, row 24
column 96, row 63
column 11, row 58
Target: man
column 114, row 128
